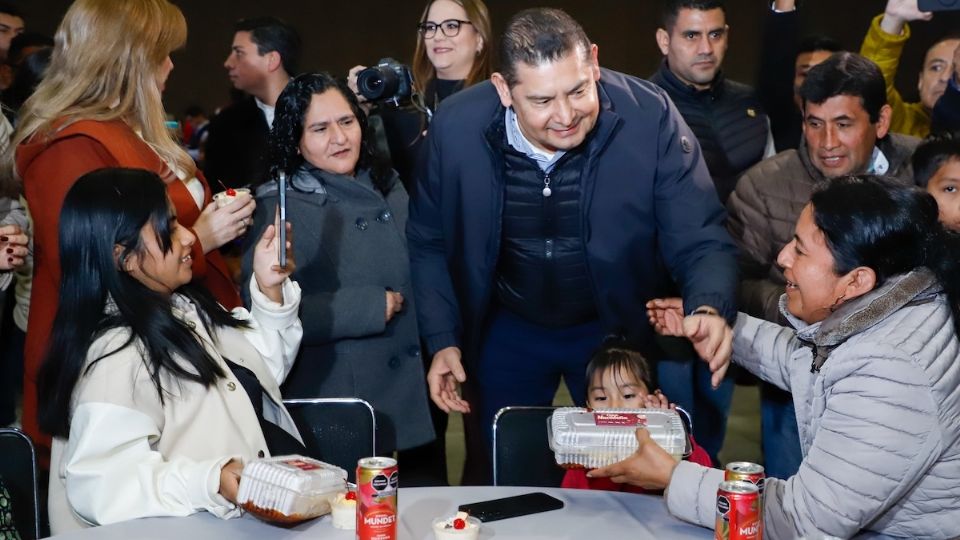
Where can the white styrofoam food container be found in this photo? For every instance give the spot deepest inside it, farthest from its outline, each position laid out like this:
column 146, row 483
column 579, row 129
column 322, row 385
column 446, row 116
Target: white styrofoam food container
column 596, row 438
column 289, row 488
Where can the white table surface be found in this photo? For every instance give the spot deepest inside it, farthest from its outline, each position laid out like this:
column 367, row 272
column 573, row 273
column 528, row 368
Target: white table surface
column 587, row 515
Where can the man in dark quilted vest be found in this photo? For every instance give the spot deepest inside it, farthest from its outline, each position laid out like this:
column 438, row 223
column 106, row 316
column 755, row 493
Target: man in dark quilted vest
column 725, row 115
column 734, row 134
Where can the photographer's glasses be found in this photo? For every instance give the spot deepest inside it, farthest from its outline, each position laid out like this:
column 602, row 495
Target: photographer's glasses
column 449, row 27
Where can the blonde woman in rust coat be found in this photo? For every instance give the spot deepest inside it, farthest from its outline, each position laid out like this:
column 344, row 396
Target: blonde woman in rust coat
column 99, row 106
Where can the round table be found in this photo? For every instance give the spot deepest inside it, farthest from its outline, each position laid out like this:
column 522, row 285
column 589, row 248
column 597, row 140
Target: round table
column 586, row 515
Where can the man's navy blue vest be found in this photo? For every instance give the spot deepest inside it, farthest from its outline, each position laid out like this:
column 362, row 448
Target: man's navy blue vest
column 542, row 270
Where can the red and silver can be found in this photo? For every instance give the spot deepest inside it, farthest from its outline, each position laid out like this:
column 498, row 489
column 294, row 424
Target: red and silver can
column 377, row 482
column 739, row 515
column 747, row 472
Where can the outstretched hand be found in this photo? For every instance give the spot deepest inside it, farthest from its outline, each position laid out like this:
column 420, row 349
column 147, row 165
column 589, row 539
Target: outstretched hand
column 899, row 12
column 709, row 333
column 666, row 316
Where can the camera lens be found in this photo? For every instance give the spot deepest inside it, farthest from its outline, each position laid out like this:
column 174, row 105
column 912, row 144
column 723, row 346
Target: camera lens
column 378, row 82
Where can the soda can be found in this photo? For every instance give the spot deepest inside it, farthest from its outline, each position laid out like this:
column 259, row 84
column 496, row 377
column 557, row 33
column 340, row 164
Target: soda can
column 377, row 483
column 739, row 514
column 748, row 472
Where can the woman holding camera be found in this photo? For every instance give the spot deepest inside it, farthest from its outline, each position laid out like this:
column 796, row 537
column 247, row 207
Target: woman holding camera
column 349, row 211
column 453, row 52
column 873, row 296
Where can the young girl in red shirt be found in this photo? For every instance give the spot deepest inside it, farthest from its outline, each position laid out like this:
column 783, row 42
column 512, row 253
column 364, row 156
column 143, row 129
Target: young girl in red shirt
column 619, row 378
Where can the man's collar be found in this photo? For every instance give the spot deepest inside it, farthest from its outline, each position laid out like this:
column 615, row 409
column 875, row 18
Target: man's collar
column 267, row 110
column 879, row 162
column 716, row 86
column 522, row 144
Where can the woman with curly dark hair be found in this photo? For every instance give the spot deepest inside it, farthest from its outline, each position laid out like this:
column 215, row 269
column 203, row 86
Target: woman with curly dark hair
column 349, row 211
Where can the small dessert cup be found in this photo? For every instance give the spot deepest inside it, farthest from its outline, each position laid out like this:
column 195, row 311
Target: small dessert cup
column 344, row 510
column 445, row 529
column 226, row 197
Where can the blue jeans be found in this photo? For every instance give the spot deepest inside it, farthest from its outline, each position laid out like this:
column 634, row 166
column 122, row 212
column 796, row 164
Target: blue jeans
column 686, row 382
column 521, row 364
column 779, row 438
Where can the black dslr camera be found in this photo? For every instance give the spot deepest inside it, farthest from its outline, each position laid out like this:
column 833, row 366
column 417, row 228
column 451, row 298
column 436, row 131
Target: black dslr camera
column 388, row 81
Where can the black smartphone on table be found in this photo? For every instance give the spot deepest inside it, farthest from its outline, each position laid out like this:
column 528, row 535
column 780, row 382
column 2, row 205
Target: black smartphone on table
column 938, row 5
column 282, row 232
column 508, row 507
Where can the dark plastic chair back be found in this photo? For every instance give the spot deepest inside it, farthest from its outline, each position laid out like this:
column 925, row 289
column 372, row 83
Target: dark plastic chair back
column 18, row 468
column 339, row 431
column 521, row 451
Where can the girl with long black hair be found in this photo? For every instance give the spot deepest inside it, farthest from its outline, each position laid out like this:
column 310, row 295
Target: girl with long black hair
column 155, row 394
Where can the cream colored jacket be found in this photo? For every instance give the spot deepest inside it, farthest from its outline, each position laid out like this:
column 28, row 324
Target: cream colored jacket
column 129, row 456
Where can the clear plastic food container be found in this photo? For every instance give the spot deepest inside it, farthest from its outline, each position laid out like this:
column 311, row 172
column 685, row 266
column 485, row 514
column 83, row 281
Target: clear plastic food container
column 289, row 489
column 585, row 438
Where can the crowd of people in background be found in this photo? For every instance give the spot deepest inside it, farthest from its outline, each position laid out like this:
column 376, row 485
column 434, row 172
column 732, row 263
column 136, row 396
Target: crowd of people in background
column 502, row 214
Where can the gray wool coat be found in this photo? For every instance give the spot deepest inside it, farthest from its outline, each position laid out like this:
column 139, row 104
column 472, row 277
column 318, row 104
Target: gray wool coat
column 350, row 248
column 879, row 422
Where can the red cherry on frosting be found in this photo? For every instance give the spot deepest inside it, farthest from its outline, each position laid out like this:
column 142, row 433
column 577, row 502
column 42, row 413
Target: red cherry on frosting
column 350, row 496
column 231, row 192
column 459, row 524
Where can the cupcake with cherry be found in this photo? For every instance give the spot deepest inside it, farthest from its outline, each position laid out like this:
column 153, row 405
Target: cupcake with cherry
column 344, row 510
column 226, row 197
column 459, row 527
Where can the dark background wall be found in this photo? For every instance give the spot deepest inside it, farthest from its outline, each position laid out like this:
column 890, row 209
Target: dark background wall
column 341, row 33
